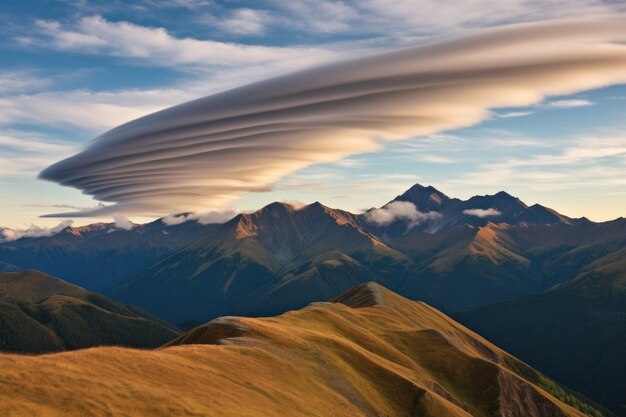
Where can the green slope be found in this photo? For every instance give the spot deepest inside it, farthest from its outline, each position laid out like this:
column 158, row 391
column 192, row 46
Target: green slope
column 39, row 313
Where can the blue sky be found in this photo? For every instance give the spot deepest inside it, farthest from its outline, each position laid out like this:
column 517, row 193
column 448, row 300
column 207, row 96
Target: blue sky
column 70, row 70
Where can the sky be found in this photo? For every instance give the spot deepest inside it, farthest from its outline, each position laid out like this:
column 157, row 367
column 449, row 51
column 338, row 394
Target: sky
column 72, row 70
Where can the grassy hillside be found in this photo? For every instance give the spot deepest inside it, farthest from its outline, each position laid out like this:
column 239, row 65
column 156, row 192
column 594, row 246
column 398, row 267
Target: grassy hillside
column 40, row 313
column 575, row 332
column 370, row 353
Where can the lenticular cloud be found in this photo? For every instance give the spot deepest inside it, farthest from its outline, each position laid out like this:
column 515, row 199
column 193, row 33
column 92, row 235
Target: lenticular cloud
column 205, row 153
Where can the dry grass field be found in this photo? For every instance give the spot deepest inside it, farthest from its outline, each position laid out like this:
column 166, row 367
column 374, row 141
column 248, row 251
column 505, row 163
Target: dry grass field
column 369, row 353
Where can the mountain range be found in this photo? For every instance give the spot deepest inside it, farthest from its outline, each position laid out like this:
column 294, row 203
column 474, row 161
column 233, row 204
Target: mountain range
column 98, row 256
column 532, row 280
column 369, row 352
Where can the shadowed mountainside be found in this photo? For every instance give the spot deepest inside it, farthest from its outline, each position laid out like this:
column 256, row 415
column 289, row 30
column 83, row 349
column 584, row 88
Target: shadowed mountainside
column 273, row 260
column 99, row 256
column 575, row 332
column 370, row 353
column 39, row 313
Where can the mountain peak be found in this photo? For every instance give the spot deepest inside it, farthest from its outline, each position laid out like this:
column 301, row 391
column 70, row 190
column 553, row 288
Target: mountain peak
column 425, row 198
column 369, row 294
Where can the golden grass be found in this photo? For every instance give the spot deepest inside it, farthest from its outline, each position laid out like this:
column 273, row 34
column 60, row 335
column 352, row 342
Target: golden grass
column 394, row 358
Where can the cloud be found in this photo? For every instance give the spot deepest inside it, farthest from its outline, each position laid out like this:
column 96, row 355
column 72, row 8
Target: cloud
column 207, row 67
column 91, row 111
column 18, row 81
column 508, row 115
column 206, row 153
column 63, row 206
column 296, row 204
column 244, row 22
column 207, row 217
column 174, row 219
column 568, row 104
column 593, row 162
column 122, row 222
column 8, row 235
column 23, row 154
column 399, row 210
column 96, row 35
column 482, row 213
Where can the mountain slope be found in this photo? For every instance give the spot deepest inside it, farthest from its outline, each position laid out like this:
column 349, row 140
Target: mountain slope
column 575, row 332
column 99, row 256
column 263, row 263
column 39, row 313
column 370, row 353
column 468, row 266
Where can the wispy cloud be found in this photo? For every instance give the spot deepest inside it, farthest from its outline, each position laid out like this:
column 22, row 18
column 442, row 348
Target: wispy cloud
column 95, row 34
column 244, row 21
column 591, row 161
column 508, row 115
column 206, row 153
column 12, row 82
column 567, row 104
column 482, row 213
column 26, row 153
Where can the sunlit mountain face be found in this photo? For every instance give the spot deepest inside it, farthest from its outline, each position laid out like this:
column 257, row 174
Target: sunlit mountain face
column 222, row 208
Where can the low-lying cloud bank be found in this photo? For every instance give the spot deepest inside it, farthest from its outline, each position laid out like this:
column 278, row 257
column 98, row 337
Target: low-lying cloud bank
column 490, row 212
column 400, row 210
column 8, row 235
column 202, row 218
column 203, row 154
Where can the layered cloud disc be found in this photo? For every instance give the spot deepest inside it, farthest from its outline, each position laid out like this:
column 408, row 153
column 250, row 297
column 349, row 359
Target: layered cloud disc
column 205, row 153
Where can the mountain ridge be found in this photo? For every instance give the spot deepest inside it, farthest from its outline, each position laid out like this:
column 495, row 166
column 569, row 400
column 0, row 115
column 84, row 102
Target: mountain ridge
column 40, row 313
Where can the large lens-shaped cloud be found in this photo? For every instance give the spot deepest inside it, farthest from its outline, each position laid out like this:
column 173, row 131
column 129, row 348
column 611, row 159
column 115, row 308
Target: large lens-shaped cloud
column 205, row 153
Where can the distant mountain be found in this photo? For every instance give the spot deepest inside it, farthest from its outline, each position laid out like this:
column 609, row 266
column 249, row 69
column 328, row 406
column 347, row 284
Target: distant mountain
column 40, row 313
column 281, row 258
column 575, row 332
column 369, row 353
column 275, row 259
column 99, row 256
column 468, row 266
column 478, row 211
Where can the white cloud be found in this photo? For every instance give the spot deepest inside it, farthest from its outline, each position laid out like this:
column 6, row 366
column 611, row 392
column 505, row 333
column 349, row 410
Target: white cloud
column 296, row 204
column 399, row 210
column 490, row 212
column 17, row 81
column 91, row 111
column 96, row 35
column 568, row 104
column 207, row 217
column 508, row 115
column 174, row 219
column 8, row 235
column 244, row 22
column 123, row 223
